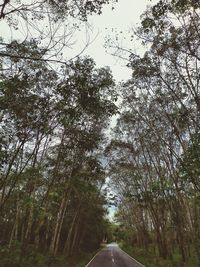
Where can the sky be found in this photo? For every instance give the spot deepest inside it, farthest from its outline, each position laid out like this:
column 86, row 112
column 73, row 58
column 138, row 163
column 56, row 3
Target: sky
column 122, row 19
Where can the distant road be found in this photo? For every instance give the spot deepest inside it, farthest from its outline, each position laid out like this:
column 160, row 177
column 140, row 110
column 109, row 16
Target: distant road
column 113, row 256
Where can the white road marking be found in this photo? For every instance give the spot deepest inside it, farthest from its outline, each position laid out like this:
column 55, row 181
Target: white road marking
column 113, row 260
column 132, row 258
column 93, row 257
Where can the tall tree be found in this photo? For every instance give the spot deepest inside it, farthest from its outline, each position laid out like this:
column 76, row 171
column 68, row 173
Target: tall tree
column 158, row 127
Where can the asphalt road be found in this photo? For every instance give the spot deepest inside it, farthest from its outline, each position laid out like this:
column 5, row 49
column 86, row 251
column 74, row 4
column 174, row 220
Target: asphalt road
column 113, row 256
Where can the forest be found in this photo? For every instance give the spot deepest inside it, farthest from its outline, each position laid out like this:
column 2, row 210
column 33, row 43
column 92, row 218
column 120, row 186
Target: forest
column 63, row 163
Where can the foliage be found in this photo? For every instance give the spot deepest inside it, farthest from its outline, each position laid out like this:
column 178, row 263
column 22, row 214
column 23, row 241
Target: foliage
column 52, row 133
column 150, row 258
column 154, row 152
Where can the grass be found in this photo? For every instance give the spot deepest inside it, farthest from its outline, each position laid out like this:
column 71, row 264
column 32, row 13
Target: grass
column 13, row 257
column 150, row 258
column 31, row 258
column 87, row 257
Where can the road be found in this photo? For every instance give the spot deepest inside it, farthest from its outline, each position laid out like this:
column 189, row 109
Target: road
column 113, row 256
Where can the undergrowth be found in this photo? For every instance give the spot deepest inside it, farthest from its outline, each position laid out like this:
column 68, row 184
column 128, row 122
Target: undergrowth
column 150, row 258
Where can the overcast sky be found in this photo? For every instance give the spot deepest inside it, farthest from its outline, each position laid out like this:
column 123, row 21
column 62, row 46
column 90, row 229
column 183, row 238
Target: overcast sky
column 125, row 16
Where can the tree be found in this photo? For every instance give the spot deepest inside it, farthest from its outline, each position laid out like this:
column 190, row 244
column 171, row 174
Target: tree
column 155, row 133
column 52, row 132
column 54, row 25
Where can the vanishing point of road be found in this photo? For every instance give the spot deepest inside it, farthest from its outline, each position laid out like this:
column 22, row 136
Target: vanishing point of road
column 113, row 256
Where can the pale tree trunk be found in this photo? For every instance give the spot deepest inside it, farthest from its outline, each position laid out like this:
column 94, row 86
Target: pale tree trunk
column 61, row 224
column 14, row 232
column 68, row 242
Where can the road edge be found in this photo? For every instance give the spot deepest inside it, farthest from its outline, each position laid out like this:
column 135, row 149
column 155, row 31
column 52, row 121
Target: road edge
column 142, row 265
column 121, row 250
column 93, row 257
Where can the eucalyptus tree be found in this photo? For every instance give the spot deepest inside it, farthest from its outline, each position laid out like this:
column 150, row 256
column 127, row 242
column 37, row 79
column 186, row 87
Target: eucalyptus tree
column 158, row 126
column 53, row 118
column 52, row 126
column 54, row 25
column 60, row 8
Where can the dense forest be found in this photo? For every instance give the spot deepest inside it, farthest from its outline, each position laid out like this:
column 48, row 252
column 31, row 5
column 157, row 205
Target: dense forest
column 53, row 120
column 60, row 158
column 155, row 151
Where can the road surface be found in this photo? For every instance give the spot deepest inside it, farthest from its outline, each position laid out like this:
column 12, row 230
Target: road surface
column 113, row 256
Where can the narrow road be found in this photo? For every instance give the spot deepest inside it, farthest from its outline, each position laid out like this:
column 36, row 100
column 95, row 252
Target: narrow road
column 113, row 256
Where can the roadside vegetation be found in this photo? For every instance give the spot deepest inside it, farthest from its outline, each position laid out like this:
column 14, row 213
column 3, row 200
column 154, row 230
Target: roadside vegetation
column 52, row 178
column 55, row 154
column 151, row 257
column 155, row 151
column 53, row 118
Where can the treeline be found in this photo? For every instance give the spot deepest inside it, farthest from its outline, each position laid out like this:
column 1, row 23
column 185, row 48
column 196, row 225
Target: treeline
column 52, row 130
column 155, row 150
column 53, row 115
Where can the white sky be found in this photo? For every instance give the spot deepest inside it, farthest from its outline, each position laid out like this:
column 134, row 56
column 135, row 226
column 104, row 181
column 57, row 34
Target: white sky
column 125, row 16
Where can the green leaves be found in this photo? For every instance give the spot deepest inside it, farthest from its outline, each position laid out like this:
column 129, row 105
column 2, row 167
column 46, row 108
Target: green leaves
column 190, row 163
column 154, row 152
column 52, row 127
